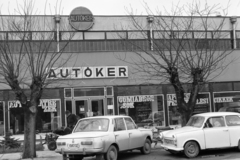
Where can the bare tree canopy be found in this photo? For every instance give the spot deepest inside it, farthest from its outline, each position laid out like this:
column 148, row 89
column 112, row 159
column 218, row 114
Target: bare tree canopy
column 180, row 49
column 29, row 48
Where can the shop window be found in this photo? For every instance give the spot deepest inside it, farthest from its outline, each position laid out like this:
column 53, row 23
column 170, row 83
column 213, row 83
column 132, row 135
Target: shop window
column 143, row 109
column 82, row 92
column 109, row 91
column 68, row 92
column 202, row 106
column 151, row 90
column 226, row 102
column 48, row 117
column 2, row 119
column 222, row 87
column 128, row 90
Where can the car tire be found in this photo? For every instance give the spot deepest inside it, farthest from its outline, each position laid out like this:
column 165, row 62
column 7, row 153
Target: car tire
column 146, row 148
column 52, row 145
column 112, row 153
column 191, row 149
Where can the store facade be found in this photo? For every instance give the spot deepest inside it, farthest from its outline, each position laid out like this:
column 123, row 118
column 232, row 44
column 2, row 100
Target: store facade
column 96, row 82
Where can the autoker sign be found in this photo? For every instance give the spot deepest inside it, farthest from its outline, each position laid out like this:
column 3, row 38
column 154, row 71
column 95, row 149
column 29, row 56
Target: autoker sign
column 88, row 72
column 81, row 18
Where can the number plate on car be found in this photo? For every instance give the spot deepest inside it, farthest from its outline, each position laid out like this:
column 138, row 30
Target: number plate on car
column 74, row 145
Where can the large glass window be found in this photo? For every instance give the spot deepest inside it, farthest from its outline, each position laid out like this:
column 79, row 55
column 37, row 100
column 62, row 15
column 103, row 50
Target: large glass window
column 226, row 101
column 144, row 109
column 48, row 117
column 1, row 119
column 174, row 116
column 82, row 92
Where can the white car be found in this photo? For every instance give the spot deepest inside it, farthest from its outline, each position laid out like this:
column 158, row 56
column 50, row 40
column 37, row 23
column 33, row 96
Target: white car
column 204, row 131
column 104, row 135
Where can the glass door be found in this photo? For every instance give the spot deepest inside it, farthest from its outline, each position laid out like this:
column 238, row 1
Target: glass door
column 81, row 108
column 97, row 107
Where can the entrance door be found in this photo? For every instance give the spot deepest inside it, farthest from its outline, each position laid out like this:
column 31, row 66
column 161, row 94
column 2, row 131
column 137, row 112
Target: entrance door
column 97, row 107
column 88, row 107
column 81, row 108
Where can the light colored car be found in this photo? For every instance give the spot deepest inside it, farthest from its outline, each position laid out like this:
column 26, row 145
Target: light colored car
column 104, row 136
column 211, row 130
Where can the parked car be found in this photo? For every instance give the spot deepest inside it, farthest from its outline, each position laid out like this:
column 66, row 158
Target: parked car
column 204, row 131
column 104, row 135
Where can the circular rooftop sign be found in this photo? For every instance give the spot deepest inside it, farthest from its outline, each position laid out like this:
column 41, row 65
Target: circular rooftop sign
column 81, row 18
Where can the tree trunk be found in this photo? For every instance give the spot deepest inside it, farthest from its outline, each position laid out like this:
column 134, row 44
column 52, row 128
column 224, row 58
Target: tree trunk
column 29, row 150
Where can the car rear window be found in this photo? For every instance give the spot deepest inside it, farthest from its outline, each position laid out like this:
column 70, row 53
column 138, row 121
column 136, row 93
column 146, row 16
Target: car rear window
column 233, row 120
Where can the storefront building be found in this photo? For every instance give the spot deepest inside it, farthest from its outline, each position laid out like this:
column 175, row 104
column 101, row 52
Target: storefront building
column 95, row 82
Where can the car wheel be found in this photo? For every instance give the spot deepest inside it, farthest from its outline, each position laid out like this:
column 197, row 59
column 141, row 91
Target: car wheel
column 52, row 145
column 112, row 153
column 146, row 149
column 191, row 149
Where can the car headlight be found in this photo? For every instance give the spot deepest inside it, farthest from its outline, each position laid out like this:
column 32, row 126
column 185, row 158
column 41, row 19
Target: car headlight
column 175, row 140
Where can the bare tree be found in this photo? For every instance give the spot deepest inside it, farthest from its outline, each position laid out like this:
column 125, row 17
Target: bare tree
column 29, row 49
column 186, row 48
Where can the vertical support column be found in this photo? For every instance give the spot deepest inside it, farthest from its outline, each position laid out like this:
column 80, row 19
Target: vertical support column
column 57, row 25
column 233, row 20
column 150, row 20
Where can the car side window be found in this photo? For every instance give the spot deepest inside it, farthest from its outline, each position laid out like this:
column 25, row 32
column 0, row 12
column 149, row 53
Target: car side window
column 119, row 124
column 130, row 124
column 233, row 120
column 215, row 122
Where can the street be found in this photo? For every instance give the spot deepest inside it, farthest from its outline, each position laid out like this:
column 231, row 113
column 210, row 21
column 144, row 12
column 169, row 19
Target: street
column 160, row 154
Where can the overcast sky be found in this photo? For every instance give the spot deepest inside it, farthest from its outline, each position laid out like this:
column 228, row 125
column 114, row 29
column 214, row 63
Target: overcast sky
column 112, row 7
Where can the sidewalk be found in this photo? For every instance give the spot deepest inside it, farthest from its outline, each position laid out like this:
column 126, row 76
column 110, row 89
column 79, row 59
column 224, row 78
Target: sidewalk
column 46, row 154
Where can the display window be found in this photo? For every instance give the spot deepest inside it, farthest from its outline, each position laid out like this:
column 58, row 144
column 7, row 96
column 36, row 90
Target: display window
column 144, row 109
column 48, row 117
column 174, row 117
column 2, row 118
column 226, row 101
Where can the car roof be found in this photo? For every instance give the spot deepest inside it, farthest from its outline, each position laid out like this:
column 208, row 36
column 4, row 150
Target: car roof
column 107, row 116
column 210, row 114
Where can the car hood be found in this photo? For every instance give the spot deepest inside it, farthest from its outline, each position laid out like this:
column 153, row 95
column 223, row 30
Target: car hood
column 84, row 135
column 170, row 133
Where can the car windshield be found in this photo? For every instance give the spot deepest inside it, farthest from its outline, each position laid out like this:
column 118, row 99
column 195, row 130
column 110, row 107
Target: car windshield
column 92, row 125
column 196, row 121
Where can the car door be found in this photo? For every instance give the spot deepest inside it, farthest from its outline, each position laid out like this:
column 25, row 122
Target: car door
column 233, row 123
column 136, row 138
column 121, row 134
column 217, row 134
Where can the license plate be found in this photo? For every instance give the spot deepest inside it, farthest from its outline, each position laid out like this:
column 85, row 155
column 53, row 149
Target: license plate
column 74, row 145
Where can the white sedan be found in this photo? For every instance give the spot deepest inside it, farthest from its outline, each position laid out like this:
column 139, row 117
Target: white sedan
column 204, row 131
column 104, row 135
